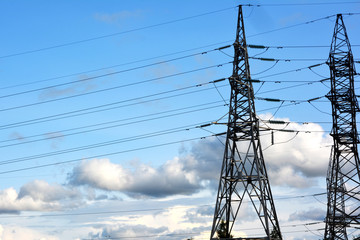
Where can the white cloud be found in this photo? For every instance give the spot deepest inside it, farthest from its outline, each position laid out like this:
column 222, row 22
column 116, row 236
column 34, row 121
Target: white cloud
column 194, row 170
column 295, row 160
column 43, row 191
column 161, row 224
column 37, row 196
column 10, row 203
column 171, row 178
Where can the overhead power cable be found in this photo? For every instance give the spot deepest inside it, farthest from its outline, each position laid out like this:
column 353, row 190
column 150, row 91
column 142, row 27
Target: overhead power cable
column 108, row 143
column 159, row 209
column 256, row 46
column 108, row 154
column 288, row 100
column 299, row 4
column 287, row 59
column 275, row 108
column 104, row 107
column 116, row 123
column 122, row 64
column 281, row 122
column 263, row 71
column 114, row 34
column 115, row 87
column 140, row 137
column 147, row 81
column 103, row 212
column 298, row 24
column 104, row 75
column 112, row 105
column 160, row 24
column 294, row 70
column 288, row 87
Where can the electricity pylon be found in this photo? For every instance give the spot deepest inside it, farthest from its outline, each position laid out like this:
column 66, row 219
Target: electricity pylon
column 243, row 179
column 343, row 179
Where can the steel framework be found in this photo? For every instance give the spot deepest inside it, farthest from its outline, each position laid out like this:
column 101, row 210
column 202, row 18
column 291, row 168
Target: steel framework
column 343, row 180
column 243, row 174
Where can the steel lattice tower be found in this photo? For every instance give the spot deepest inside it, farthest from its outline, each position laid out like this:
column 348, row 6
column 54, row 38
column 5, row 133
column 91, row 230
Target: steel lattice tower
column 243, row 173
column 343, row 180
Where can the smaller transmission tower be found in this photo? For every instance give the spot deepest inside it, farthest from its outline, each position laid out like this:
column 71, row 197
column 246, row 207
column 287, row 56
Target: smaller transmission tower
column 343, row 180
column 243, row 183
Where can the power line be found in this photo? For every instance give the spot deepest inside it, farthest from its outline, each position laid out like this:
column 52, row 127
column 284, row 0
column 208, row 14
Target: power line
column 102, row 126
column 51, row 118
column 256, row 46
column 292, row 26
column 102, row 144
column 144, row 81
column 90, row 110
column 108, row 154
column 169, row 131
column 113, row 34
column 160, row 24
column 122, row 64
column 287, row 59
column 294, row 70
column 288, row 87
column 299, row 4
column 106, row 75
column 154, row 79
column 118, row 87
column 161, row 209
column 287, row 100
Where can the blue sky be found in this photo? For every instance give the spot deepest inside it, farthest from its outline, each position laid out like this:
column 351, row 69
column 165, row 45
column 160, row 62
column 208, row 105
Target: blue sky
column 102, row 103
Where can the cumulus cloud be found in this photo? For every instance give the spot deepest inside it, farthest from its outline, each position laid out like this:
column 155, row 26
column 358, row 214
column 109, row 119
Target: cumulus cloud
column 169, row 179
column 298, row 157
column 193, row 170
column 162, row 224
column 295, row 160
column 37, row 196
column 41, row 190
column 10, row 203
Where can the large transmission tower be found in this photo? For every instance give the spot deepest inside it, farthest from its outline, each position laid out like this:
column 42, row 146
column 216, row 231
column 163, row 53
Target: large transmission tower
column 243, row 180
column 343, row 180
